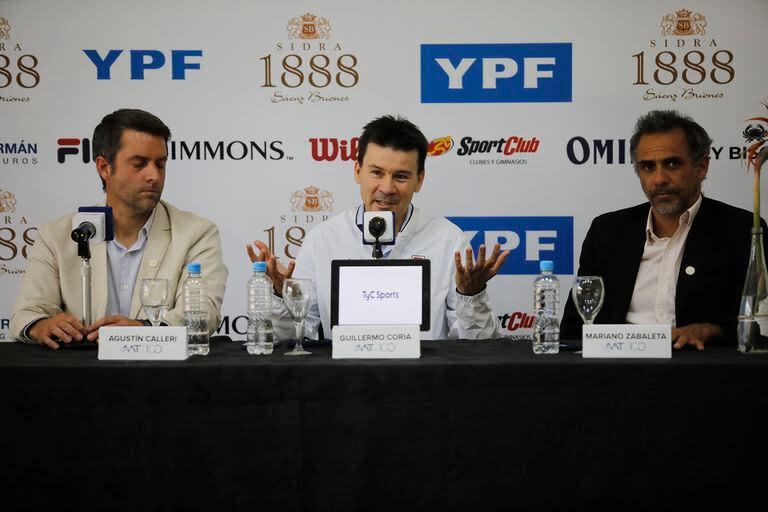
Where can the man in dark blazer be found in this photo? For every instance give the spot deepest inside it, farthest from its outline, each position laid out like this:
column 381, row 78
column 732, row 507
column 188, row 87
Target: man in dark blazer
column 681, row 258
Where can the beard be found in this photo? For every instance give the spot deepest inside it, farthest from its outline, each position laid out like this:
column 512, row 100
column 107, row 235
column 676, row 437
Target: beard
column 673, row 204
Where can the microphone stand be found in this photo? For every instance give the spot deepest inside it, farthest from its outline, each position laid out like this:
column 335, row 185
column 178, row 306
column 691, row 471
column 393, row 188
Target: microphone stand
column 377, row 252
column 84, row 251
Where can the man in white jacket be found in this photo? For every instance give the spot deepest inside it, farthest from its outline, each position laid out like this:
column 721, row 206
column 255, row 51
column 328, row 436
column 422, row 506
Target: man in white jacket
column 390, row 169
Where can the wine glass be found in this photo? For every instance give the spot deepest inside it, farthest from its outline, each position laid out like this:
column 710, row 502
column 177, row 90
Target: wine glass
column 296, row 295
column 588, row 293
column 154, row 297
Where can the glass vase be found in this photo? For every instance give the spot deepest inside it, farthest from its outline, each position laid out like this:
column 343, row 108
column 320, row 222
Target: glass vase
column 753, row 312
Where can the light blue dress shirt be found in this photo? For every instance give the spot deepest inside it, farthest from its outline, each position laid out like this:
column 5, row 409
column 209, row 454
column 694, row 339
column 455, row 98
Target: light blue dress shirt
column 123, row 268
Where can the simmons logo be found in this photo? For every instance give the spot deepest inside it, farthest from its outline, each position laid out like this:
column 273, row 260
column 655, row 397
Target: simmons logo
column 529, row 240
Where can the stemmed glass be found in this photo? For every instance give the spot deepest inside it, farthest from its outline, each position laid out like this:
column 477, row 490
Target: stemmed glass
column 588, row 293
column 296, row 295
column 154, row 298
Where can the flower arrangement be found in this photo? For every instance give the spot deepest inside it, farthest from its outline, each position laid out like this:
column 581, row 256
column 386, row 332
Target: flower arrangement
column 757, row 153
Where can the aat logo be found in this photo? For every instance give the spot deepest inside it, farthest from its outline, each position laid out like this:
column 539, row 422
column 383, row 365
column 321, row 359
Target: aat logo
column 330, row 149
column 440, row 146
column 19, row 71
column 16, row 236
column 687, row 63
column 309, row 65
column 312, row 199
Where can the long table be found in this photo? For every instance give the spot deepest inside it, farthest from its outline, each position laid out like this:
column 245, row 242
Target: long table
column 486, row 425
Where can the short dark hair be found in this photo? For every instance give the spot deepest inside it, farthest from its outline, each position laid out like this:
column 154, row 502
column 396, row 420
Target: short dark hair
column 662, row 121
column 107, row 135
column 396, row 133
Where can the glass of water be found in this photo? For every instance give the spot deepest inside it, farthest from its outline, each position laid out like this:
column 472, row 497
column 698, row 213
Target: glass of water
column 588, row 293
column 154, row 299
column 296, row 295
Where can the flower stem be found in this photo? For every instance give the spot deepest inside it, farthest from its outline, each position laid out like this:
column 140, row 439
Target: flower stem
column 756, row 214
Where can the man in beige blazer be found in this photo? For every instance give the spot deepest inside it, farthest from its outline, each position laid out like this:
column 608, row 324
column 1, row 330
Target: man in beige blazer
column 152, row 239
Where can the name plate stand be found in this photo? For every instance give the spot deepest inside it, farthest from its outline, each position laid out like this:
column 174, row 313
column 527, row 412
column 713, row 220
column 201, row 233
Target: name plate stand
column 130, row 343
column 376, row 342
column 627, row 341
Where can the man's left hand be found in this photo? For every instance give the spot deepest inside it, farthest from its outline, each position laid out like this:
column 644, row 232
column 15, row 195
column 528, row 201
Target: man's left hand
column 471, row 278
column 694, row 334
column 117, row 320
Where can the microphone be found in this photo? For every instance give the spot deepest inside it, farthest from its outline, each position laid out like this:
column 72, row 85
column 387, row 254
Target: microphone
column 84, row 232
column 378, row 229
column 377, row 226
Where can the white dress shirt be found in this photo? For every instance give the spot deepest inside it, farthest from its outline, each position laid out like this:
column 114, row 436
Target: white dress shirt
column 653, row 299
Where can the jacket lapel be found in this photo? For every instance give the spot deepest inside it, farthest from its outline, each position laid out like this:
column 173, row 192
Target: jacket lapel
column 154, row 252
column 634, row 243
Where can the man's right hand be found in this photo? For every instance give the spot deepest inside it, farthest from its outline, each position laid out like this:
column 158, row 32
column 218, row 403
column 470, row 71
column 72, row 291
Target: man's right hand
column 276, row 271
column 57, row 329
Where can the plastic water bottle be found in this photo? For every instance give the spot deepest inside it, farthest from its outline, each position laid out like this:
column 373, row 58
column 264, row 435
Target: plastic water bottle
column 260, row 339
column 195, row 313
column 546, row 296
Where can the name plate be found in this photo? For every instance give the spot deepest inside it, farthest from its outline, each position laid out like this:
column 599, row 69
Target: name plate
column 627, row 341
column 376, row 342
column 130, row 343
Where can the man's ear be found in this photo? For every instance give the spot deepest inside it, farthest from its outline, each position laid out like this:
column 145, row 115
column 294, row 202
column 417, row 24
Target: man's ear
column 103, row 168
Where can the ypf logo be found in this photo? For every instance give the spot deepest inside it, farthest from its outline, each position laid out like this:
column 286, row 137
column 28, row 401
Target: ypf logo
column 440, row 146
column 71, row 147
column 496, row 73
column 329, row 149
column 309, row 66
column 141, row 61
column 687, row 63
column 529, row 240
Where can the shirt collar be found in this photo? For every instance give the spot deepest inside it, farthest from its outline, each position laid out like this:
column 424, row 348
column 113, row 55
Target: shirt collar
column 686, row 219
column 143, row 234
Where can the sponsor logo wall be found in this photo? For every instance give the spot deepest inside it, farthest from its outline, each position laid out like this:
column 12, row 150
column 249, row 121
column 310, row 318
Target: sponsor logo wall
column 528, row 115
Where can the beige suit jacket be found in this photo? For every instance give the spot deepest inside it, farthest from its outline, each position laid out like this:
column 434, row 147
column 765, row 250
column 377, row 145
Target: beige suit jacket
column 52, row 282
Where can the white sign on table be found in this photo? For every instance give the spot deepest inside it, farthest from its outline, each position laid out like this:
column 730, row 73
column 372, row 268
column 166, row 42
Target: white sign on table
column 376, row 342
column 143, row 343
column 627, row 341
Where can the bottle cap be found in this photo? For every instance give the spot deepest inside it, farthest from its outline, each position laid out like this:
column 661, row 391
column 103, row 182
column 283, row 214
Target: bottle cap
column 193, row 268
column 547, row 265
column 259, row 266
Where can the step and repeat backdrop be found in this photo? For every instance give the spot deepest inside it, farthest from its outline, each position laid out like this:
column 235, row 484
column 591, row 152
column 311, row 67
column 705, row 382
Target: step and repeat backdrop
column 528, row 106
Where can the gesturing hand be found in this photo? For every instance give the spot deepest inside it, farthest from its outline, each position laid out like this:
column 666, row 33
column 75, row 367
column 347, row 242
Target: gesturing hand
column 276, row 271
column 471, row 278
